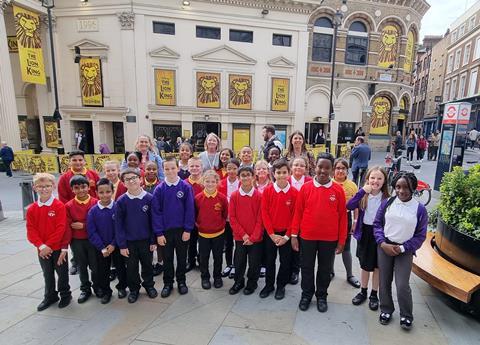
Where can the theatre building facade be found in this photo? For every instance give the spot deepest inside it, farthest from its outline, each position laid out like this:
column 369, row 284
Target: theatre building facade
column 184, row 69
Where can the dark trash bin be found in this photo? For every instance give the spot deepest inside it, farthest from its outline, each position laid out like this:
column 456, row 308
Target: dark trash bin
column 29, row 196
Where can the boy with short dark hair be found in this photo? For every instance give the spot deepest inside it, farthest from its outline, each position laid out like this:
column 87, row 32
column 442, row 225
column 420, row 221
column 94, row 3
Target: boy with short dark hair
column 173, row 218
column 278, row 208
column 46, row 230
column 84, row 252
column 134, row 235
column 101, row 233
column 246, row 221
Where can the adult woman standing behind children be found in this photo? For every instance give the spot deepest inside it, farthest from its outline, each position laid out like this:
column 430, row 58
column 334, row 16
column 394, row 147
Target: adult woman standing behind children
column 297, row 148
column 144, row 145
column 210, row 157
column 400, row 229
column 367, row 201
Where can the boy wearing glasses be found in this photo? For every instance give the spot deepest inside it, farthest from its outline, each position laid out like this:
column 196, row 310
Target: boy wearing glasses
column 134, row 234
column 46, row 231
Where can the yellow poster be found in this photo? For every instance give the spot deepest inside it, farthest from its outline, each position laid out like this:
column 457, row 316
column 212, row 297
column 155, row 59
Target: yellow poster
column 240, row 91
column 241, row 138
column 27, row 25
column 51, row 131
column 380, row 116
column 12, row 44
column 22, row 125
column 165, row 93
column 31, row 163
column 409, row 50
column 387, row 54
column 280, row 94
column 91, row 82
column 208, row 90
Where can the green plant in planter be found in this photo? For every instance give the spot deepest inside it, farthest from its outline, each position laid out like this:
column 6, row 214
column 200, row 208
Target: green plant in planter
column 460, row 200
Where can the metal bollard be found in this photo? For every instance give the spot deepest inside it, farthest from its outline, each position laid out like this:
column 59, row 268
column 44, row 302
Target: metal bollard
column 2, row 217
column 28, row 195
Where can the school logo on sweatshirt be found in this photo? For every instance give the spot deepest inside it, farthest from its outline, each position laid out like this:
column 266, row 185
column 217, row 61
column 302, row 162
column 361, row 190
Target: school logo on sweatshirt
column 180, row 194
column 51, row 213
column 113, row 215
column 288, row 202
column 217, row 206
column 333, row 198
column 145, row 208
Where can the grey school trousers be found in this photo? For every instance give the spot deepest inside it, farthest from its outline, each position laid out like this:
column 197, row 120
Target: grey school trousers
column 401, row 267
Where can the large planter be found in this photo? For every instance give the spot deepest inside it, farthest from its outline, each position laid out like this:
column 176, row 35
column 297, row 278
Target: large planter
column 460, row 248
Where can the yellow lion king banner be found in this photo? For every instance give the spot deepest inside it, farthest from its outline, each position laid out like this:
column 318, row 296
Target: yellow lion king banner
column 91, row 84
column 280, row 94
column 27, row 26
column 208, row 90
column 240, row 91
column 380, row 116
column 388, row 53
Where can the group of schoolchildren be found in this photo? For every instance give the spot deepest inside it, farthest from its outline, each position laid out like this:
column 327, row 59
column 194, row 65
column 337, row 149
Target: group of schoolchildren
column 251, row 212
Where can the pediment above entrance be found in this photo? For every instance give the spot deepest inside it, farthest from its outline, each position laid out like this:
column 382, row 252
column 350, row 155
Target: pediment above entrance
column 224, row 54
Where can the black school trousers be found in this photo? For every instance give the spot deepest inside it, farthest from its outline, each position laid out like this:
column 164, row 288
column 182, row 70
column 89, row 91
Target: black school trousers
column 139, row 253
column 285, row 269
column 86, row 257
column 214, row 245
column 323, row 252
column 252, row 254
column 49, row 267
column 104, row 267
column 175, row 245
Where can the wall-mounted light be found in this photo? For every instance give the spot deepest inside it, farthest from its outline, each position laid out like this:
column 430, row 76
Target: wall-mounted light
column 185, row 3
column 265, row 12
column 207, row 117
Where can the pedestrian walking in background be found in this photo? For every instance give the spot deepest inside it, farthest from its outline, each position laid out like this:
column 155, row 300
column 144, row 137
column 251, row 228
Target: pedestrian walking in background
column 421, row 147
column 6, row 153
column 411, row 143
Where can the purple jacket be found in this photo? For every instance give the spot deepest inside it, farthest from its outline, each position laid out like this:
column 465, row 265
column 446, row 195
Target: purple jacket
column 418, row 236
column 352, row 204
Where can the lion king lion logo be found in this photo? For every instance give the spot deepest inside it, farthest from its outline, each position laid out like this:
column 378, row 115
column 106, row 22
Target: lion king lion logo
column 381, row 112
column 28, row 30
column 240, row 92
column 208, row 89
column 388, row 47
column 90, row 79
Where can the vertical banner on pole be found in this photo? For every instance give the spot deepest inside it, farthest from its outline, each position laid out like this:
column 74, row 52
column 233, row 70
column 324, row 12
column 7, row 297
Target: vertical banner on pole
column 91, row 82
column 27, row 26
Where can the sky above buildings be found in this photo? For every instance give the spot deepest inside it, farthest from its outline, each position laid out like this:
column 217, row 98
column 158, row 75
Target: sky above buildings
column 441, row 14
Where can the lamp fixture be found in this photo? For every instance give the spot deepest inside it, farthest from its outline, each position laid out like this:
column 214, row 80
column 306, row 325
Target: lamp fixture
column 265, row 12
column 84, row 1
column 48, row 4
column 185, row 3
column 207, row 117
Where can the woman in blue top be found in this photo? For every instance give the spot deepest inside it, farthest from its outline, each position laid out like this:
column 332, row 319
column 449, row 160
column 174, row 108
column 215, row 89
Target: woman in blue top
column 144, row 145
column 411, row 143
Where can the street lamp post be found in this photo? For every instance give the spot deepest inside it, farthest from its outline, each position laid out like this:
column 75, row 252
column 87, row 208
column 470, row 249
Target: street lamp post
column 49, row 4
column 337, row 21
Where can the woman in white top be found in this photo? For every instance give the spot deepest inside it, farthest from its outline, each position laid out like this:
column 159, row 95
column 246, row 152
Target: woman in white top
column 210, row 157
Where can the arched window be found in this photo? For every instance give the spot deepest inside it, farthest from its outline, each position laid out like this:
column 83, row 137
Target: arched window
column 357, row 44
column 322, row 40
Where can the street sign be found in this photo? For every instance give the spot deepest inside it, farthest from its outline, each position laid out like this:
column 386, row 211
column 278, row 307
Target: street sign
column 457, row 113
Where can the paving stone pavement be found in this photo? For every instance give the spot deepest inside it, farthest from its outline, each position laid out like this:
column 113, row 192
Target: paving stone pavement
column 208, row 316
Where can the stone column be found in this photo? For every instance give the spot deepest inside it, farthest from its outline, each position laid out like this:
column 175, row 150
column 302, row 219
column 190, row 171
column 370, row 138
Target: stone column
column 9, row 129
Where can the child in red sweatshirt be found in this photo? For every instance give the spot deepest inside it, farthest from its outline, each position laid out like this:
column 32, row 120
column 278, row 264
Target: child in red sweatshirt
column 246, row 221
column 46, row 231
column 278, row 207
column 84, row 252
column 211, row 216
column 321, row 220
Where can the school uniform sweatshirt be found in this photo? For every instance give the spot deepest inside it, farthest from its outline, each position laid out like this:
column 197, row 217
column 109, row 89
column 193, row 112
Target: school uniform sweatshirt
column 101, row 225
column 196, row 186
column 133, row 219
column 353, row 204
column 65, row 193
column 46, row 224
column 320, row 213
column 173, row 207
column 119, row 190
column 77, row 211
column 211, row 214
column 278, row 208
column 245, row 214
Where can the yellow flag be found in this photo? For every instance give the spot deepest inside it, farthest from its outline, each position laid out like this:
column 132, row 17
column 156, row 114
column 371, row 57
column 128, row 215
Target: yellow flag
column 91, row 82
column 27, row 26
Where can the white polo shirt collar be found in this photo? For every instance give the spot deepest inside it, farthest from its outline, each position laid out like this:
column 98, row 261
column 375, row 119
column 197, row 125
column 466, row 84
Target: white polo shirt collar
column 317, row 184
column 278, row 189
column 139, row 196
column 174, row 183
column 110, row 206
column 49, row 202
column 242, row 192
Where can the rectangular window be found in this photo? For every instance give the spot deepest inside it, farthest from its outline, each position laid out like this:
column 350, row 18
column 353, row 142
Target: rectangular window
column 282, row 40
column 446, row 91
column 472, row 85
column 458, row 55
column 466, row 54
column 453, row 89
column 461, row 87
column 461, row 31
column 164, row 28
column 322, row 47
column 241, row 36
column 208, row 32
column 472, row 23
column 477, row 49
column 357, row 50
column 454, row 36
column 450, row 63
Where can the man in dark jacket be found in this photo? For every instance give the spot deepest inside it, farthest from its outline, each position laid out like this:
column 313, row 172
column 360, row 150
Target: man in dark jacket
column 268, row 134
column 6, row 153
column 360, row 156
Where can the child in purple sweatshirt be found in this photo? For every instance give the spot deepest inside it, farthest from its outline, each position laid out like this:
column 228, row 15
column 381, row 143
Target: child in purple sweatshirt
column 173, row 218
column 400, row 228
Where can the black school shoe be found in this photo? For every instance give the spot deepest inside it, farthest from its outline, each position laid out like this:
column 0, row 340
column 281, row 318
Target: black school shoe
column 294, row 278
column 122, row 293
column 182, row 288
column 373, row 303
column 406, row 323
column 249, row 289
column 73, row 270
column 226, row 271
column 106, row 298
column 266, row 291
column 84, row 296
column 47, row 303
column 133, row 296
column 166, row 291
column 322, row 305
column 385, row 318
column 359, row 299
column 304, row 304
column 151, row 292
column 280, row 293
column 217, row 283
column 236, row 288
column 206, row 285
column 64, row 301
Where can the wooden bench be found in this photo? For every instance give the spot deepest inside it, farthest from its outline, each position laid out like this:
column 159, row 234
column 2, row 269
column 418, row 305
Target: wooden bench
column 442, row 274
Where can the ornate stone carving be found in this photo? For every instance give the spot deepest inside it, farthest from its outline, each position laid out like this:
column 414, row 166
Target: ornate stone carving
column 4, row 4
column 44, row 21
column 127, row 20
